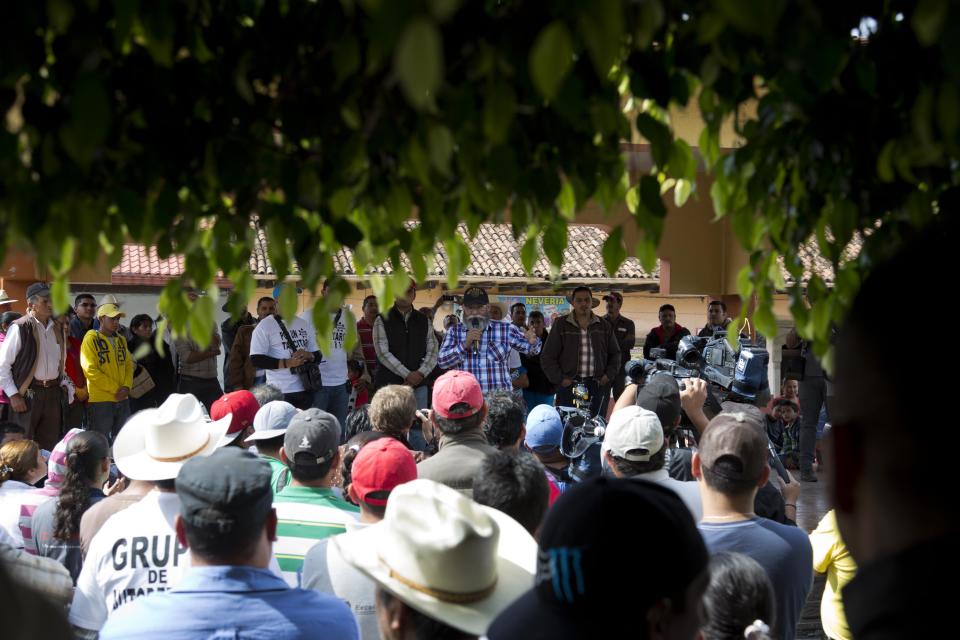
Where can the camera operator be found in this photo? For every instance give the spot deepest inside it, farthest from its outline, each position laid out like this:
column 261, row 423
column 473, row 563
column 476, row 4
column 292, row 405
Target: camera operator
column 717, row 319
column 667, row 335
column 661, row 394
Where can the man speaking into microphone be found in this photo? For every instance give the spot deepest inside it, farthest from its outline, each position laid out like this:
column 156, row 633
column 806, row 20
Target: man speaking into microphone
column 482, row 346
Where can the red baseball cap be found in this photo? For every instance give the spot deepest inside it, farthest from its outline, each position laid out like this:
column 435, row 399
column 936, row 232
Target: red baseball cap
column 381, row 465
column 242, row 404
column 457, row 387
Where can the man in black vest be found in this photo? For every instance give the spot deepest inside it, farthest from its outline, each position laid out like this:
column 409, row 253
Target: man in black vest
column 406, row 346
column 31, row 369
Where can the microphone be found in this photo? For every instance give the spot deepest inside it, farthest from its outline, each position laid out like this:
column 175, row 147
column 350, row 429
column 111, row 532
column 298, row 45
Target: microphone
column 477, row 322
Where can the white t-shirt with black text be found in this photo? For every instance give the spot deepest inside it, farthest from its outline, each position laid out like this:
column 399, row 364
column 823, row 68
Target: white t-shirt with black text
column 268, row 340
column 135, row 553
column 333, row 365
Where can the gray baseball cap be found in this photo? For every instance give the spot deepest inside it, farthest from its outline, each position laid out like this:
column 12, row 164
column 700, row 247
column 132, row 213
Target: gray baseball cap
column 272, row 420
column 224, row 491
column 312, row 437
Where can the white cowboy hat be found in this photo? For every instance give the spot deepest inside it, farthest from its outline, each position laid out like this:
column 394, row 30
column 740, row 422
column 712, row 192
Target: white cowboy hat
column 4, row 298
column 155, row 443
column 444, row 555
column 109, row 298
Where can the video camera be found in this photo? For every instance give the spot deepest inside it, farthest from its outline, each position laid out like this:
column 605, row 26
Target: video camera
column 580, row 429
column 735, row 375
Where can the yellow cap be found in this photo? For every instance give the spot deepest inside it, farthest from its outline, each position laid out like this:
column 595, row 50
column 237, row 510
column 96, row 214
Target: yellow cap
column 111, row 311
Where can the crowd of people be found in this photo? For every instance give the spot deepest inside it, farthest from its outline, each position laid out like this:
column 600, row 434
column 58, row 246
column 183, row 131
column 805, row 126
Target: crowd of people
column 138, row 499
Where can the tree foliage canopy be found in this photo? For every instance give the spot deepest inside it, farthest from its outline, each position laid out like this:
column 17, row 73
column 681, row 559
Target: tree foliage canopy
column 174, row 124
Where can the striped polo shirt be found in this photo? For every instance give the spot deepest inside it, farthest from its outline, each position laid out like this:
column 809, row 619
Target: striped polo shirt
column 304, row 516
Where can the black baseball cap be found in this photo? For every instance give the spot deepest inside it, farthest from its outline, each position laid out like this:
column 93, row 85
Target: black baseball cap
column 474, row 297
column 591, row 533
column 661, row 394
column 225, row 491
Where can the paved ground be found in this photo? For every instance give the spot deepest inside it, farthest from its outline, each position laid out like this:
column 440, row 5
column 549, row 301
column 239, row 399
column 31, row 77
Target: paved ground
column 811, row 506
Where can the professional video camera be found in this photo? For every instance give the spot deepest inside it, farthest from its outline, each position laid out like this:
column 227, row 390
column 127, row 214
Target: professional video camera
column 734, row 375
column 580, row 429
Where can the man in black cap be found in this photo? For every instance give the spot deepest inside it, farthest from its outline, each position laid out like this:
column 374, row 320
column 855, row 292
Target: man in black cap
column 625, row 332
column 32, row 361
column 481, row 346
column 585, row 539
column 227, row 522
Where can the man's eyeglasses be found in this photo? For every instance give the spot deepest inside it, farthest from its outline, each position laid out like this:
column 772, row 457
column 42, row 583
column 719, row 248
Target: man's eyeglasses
column 88, row 304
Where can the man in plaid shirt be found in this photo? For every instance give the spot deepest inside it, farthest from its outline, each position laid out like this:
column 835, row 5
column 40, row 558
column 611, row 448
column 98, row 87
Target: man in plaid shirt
column 484, row 352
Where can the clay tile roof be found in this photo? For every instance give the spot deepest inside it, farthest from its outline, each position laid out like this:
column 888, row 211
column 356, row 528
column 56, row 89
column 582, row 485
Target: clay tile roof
column 815, row 263
column 495, row 254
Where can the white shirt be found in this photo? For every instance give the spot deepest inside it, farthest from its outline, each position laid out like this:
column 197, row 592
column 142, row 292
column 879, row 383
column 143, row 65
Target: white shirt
column 135, row 553
column 13, row 495
column 325, row 570
column 689, row 492
column 268, row 340
column 333, row 365
column 49, row 364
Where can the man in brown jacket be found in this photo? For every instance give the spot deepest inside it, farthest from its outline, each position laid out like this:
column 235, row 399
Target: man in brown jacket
column 241, row 374
column 582, row 348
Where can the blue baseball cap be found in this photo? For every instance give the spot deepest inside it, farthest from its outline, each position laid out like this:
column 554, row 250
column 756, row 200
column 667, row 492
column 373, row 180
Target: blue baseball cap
column 544, row 427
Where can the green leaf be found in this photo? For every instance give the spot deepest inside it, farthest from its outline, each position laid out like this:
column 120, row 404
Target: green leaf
column 764, row 320
column 458, row 259
column 500, row 104
column 745, row 283
column 202, row 319
column 885, row 162
column 288, row 301
column 440, row 143
column 650, row 197
column 948, row 111
column 681, row 192
column 60, row 13
column 443, row 10
column 659, row 137
column 567, row 201
column 682, row 164
column 613, row 251
column 551, row 58
column 649, row 20
column 419, row 62
column 709, row 145
column 555, row 241
column 633, row 199
column 90, row 117
column 929, row 19
column 755, row 17
column 647, row 253
column 60, row 293
column 602, row 28
column 529, row 253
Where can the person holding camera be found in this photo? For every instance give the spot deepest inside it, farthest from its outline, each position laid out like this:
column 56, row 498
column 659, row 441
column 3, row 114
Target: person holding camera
column 582, row 348
column 666, row 336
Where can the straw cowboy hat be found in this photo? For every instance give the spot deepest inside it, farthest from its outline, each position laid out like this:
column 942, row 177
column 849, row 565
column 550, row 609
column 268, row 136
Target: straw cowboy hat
column 444, row 555
column 155, row 443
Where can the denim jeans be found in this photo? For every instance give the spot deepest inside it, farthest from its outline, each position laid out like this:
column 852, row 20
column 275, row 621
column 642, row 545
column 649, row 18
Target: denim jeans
column 422, row 395
column 108, row 417
column 333, row 400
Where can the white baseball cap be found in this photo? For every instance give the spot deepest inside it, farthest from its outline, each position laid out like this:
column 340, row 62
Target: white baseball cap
column 634, row 434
